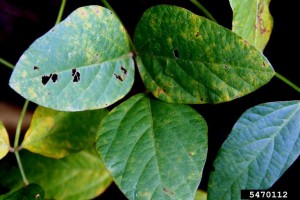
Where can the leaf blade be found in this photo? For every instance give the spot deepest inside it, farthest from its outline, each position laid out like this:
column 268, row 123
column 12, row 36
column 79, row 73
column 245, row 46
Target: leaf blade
column 185, row 58
column 253, row 156
column 169, row 151
column 4, row 141
column 253, row 21
column 73, row 67
column 56, row 133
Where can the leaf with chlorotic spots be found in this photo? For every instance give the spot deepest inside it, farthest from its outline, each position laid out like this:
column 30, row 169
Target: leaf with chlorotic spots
column 78, row 64
column 4, row 141
column 152, row 149
column 186, row 58
column 253, row 21
column 57, row 133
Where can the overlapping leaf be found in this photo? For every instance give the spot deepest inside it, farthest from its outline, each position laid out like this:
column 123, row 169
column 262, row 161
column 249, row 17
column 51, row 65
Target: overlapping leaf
column 4, row 141
column 56, row 133
column 263, row 144
column 152, row 149
column 185, row 58
column 29, row 192
column 77, row 176
column 253, row 21
column 82, row 63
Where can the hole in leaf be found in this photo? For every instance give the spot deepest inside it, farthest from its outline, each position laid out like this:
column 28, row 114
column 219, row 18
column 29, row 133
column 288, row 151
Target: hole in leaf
column 76, row 77
column 37, row 196
column 73, row 72
column 118, row 77
column 124, row 70
column 176, row 53
column 36, row 68
column 54, row 78
column 225, row 67
column 45, row 79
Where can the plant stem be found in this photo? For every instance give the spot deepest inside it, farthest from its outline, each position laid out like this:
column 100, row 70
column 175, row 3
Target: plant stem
column 287, row 81
column 203, row 9
column 16, row 142
column 7, row 64
column 61, row 10
column 106, row 4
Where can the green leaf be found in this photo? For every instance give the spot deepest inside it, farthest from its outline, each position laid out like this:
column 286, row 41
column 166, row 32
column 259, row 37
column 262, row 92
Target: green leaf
column 263, row 144
column 29, row 192
column 152, row 149
column 185, row 58
column 77, row 176
column 201, row 195
column 82, row 63
column 56, row 134
column 4, row 141
column 253, row 21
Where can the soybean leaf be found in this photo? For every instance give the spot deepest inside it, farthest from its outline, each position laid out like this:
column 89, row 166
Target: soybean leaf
column 77, row 176
column 253, row 21
column 56, row 133
column 201, row 195
column 4, row 141
column 29, row 192
column 152, row 149
column 185, row 58
column 82, row 63
column 263, row 144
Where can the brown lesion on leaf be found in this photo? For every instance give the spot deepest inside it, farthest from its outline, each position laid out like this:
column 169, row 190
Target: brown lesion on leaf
column 264, row 64
column 118, row 77
column 197, row 34
column 124, row 70
column 260, row 20
column 36, row 68
column 168, row 191
column 159, row 91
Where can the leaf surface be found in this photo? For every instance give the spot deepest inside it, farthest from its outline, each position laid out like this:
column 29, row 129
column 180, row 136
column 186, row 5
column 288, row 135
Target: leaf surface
column 82, row 63
column 263, row 144
column 77, row 176
column 185, row 58
column 152, row 149
column 29, row 192
column 253, row 21
column 56, row 133
column 4, row 141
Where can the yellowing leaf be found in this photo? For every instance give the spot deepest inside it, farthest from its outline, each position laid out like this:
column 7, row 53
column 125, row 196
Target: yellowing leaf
column 4, row 141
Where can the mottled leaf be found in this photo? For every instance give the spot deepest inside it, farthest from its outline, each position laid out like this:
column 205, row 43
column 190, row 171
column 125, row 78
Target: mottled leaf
column 263, row 144
column 77, row 176
column 152, row 149
column 82, row 63
column 29, row 192
column 56, row 133
column 185, row 58
column 4, row 141
column 253, row 21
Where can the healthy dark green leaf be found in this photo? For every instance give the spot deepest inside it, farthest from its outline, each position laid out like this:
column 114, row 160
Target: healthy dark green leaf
column 253, row 21
column 152, row 149
column 29, row 192
column 82, row 63
column 263, row 144
column 186, row 58
column 56, row 133
column 4, row 141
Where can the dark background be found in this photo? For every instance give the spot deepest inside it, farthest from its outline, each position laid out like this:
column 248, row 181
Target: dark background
column 21, row 22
